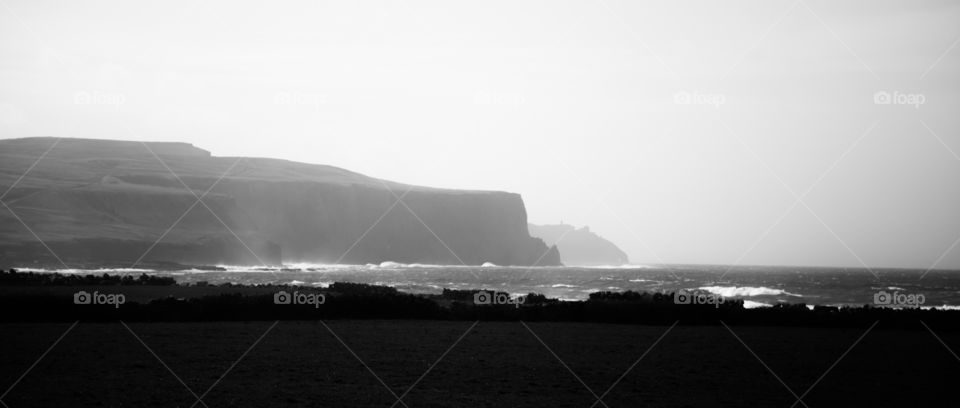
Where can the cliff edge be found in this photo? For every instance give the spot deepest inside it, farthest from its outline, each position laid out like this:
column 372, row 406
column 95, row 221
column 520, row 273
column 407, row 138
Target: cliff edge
column 580, row 246
column 103, row 201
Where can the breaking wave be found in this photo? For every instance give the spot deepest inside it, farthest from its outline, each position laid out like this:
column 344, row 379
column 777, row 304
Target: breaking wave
column 745, row 291
column 749, row 304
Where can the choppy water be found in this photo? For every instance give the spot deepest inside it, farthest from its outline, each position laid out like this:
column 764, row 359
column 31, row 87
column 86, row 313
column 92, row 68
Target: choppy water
column 756, row 285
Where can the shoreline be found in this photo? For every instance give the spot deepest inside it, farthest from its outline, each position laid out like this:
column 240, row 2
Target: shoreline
column 54, row 297
column 572, row 284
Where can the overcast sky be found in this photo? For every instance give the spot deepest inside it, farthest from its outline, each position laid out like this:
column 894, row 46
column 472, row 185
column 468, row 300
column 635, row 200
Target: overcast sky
column 684, row 131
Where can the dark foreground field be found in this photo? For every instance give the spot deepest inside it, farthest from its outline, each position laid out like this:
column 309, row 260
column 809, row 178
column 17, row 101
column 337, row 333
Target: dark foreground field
column 496, row 364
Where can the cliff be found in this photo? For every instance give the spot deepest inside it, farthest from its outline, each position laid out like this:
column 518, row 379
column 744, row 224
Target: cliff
column 580, row 247
column 99, row 201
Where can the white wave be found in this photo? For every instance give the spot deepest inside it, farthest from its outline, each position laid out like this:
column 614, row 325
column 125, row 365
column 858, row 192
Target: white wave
column 942, row 307
column 399, row 265
column 248, row 268
column 563, row 285
column 489, row 265
column 319, row 267
column 86, row 271
column 36, row 270
column 745, row 291
column 749, row 304
column 624, row 266
column 314, row 266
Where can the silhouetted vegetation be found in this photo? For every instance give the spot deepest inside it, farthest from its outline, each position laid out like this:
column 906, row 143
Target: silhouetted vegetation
column 361, row 289
column 16, row 278
column 343, row 300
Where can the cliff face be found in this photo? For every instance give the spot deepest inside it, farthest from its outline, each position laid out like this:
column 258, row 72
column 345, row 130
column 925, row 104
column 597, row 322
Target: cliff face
column 580, row 247
column 96, row 201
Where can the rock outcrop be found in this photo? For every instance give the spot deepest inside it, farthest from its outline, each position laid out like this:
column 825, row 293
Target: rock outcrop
column 580, row 247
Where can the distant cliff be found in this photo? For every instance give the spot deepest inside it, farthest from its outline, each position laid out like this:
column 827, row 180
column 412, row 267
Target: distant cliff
column 579, row 246
column 99, row 201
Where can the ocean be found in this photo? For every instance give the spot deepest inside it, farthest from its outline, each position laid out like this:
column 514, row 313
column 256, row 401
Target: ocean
column 757, row 286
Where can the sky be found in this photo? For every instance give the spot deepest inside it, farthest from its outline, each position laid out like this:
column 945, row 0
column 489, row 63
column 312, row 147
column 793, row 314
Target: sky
column 796, row 132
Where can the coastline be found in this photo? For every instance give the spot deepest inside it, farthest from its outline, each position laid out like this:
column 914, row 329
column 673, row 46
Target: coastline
column 46, row 297
column 757, row 287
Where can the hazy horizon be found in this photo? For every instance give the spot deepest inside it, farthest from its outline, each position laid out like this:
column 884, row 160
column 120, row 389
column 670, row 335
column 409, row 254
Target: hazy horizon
column 682, row 133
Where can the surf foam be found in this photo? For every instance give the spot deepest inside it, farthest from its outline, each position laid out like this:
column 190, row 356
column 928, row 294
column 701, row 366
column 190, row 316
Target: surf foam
column 745, row 291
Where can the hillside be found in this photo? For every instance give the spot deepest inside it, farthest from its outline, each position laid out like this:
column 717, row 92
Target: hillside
column 100, row 201
column 579, row 246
